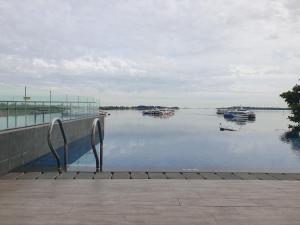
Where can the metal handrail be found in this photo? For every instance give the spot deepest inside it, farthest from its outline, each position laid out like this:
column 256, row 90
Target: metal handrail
column 51, row 125
column 96, row 123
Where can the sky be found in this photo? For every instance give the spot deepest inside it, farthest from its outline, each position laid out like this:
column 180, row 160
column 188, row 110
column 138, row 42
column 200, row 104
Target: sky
column 188, row 53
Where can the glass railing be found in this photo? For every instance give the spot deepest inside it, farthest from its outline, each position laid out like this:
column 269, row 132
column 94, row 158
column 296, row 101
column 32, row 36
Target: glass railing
column 16, row 114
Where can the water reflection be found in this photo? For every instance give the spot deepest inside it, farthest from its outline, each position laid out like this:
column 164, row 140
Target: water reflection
column 292, row 137
column 159, row 116
column 240, row 121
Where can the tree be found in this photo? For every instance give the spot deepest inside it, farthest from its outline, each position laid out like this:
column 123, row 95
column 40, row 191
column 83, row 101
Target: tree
column 292, row 98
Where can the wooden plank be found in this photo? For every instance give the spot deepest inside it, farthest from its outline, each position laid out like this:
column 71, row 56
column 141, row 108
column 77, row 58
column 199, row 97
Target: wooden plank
column 192, row 175
column 264, row 176
column 12, row 175
column 139, row 175
column 282, row 176
column 48, row 175
column 67, row 175
column 210, row 176
column 246, row 176
column 174, row 175
column 294, row 175
column 228, row 176
column 29, row 176
column 157, row 175
column 121, row 175
column 85, row 175
column 103, row 175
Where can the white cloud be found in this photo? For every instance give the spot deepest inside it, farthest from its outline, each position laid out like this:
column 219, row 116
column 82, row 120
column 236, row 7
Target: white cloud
column 153, row 50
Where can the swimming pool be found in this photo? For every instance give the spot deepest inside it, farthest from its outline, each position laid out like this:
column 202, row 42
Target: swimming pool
column 189, row 141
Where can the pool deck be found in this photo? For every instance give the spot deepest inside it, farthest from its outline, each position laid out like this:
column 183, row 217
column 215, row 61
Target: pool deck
column 151, row 201
column 151, row 198
column 152, row 175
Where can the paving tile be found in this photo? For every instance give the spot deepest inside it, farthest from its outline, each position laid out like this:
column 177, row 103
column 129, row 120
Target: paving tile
column 66, row 175
column 246, row 176
column 228, row 176
column 174, row 175
column 48, row 175
column 139, row 175
column 85, row 175
column 103, row 175
column 156, row 175
column 264, row 176
column 192, row 175
column 29, row 176
column 211, row 176
column 121, row 175
column 11, row 176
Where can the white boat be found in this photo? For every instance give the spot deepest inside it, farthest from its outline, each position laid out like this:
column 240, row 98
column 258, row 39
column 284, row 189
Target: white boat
column 240, row 114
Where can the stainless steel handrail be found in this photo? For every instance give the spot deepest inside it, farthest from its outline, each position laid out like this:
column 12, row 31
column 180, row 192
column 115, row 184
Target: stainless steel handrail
column 51, row 125
column 96, row 123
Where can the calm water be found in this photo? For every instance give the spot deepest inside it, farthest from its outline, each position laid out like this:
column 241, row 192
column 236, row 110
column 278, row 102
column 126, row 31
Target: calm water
column 191, row 140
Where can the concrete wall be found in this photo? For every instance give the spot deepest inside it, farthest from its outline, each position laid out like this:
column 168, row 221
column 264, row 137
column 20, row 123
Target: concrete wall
column 20, row 146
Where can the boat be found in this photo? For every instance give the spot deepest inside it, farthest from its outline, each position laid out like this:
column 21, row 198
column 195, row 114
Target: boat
column 159, row 112
column 239, row 114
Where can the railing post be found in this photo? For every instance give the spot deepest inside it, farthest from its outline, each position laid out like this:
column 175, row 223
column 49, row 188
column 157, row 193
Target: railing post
column 16, row 122
column 62, row 112
column 34, row 113
column 78, row 107
column 25, row 112
column 43, row 112
column 7, row 115
column 70, row 110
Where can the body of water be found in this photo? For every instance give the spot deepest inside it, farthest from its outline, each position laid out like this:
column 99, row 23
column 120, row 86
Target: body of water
column 192, row 141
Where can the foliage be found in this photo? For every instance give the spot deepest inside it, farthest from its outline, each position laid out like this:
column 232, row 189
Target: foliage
column 292, row 98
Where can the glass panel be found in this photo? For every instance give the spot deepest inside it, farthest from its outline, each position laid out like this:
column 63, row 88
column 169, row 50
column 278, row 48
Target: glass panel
column 20, row 113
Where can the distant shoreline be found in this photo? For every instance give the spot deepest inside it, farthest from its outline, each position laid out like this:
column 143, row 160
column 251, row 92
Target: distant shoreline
column 255, row 108
column 140, row 107
column 143, row 107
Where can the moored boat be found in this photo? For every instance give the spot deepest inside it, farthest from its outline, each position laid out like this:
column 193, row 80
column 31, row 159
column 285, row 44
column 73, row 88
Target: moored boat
column 240, row 114
column 159, row 112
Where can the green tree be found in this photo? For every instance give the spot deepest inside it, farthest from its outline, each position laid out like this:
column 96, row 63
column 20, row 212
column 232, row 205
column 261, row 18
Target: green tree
column 292, row 98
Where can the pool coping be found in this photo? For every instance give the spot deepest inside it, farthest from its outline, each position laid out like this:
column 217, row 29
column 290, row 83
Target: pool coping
column 152, row 175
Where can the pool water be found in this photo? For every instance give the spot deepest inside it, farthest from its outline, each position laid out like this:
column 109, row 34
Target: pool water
column 191, row 141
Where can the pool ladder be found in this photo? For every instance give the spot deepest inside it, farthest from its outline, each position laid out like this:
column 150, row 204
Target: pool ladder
column 96, row 123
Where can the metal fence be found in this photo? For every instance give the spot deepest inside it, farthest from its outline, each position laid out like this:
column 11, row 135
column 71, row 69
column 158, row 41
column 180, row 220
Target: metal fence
column 14, row 114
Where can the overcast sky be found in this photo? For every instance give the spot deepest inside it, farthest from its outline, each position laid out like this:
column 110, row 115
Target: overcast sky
column 185, row 53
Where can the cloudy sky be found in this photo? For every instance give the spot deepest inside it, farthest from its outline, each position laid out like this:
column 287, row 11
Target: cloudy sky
column 187, row 53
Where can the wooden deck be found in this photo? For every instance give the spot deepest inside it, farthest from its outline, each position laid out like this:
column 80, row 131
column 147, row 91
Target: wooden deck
column 151, row 201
